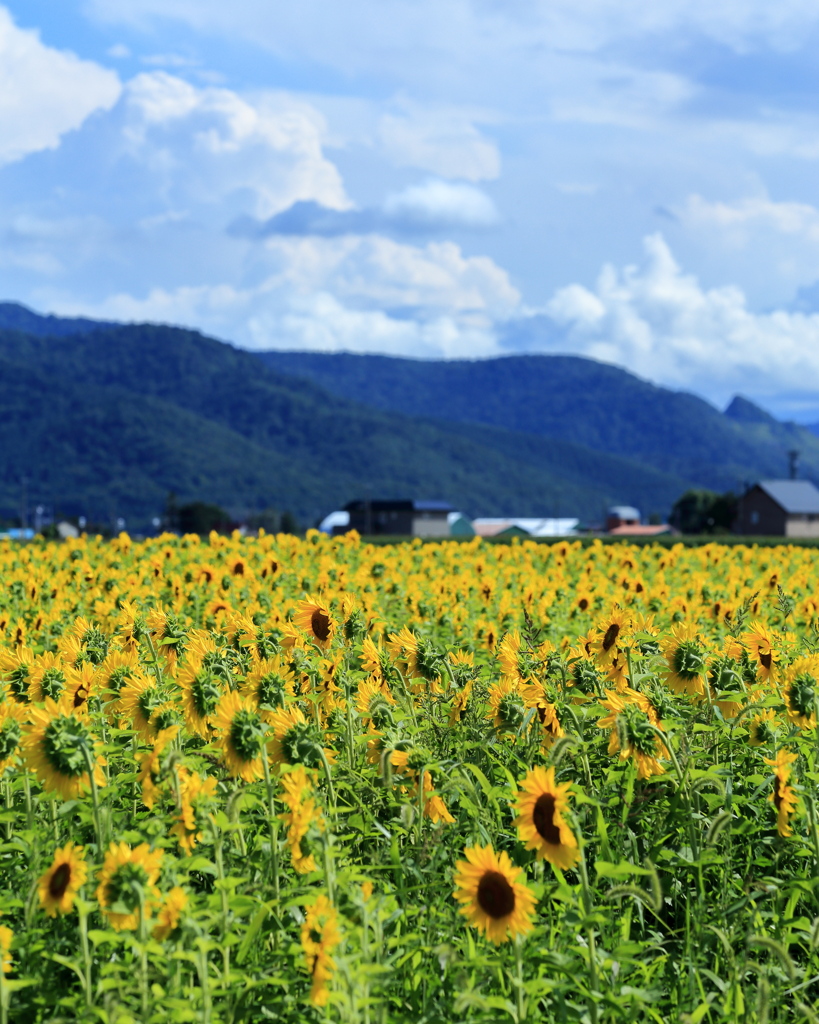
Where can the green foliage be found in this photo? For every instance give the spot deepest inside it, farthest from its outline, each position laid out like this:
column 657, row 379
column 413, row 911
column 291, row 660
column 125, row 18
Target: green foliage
column 702, row 511
column 105, row 424
column 199, row 517
column 567, row 398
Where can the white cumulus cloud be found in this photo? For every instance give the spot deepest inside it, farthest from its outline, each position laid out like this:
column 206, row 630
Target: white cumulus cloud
column 209, row 143
column 354, row 293
column 443, row 141
column 753, row 212
column 44, row 92
column 453, row 204
column 661, row 323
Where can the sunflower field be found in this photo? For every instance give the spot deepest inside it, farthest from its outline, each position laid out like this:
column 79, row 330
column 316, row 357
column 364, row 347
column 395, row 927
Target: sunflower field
column 271, row 778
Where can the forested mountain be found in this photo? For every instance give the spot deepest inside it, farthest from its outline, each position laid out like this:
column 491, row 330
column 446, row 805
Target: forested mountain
column 106, row 419
column 107, row 422
column 565, row 397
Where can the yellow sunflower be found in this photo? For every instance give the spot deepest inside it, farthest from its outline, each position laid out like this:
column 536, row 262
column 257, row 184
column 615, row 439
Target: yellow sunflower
column 196, row 794
column 762, row 729
column 630, row 719
column 6, row 939
column 115, row 671
column 127, row 879
column 141, row 700
column 801, row 690
column 80, row 683
column 313, row 616
column 759, row 641
column 12, row 717
column 495, row 900
column 535, row 696
column 269, row 685
column 150, row 763
column 374, row 702
column 60, row 884
column 320, row 935
column 303, row 813
column 46, row 678
column 687, row 660
column 56, row 745
column 241, row 735
column 540, row 822
column 16, row 672
column 609, row 634
column 295, row 740
column 167, row 920
column 783, row 796
column 202, row 690
column 506, row 707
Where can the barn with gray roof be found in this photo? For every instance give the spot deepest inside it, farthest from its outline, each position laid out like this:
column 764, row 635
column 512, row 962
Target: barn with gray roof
column 779, row 508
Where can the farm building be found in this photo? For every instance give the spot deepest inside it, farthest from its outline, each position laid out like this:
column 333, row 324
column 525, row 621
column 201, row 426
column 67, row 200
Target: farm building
column 779, row 508
column 396, row 518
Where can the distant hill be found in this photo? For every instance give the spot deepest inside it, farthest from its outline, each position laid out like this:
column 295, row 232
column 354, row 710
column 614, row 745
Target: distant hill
column 16, row 317
column 568, row 398
column 105, row 419
column 107, row 422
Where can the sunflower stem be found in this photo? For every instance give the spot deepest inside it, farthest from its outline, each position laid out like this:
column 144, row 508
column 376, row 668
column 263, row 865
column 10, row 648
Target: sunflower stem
column 520, row 1001
column 327, row 859
column 82, row 909
column 143, row 956
column 273, row 825
column 588, row 906
column 52, row 811
column 204, row 981
column 220, row 874
column 29, row 808
column 157, row 670
column 95, row 797
column 328, row 775
column 4, row 996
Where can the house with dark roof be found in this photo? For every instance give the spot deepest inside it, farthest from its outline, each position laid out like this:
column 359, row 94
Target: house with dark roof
column 416, row 518
column 779, row 508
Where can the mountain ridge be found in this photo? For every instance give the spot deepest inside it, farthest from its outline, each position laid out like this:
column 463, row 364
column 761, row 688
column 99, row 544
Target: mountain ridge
column 119, row 414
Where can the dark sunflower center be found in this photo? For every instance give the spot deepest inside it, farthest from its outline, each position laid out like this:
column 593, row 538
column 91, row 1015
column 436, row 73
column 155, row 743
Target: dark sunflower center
column 777, row 793
column 246, row 735
column 496, row 897
column 80, row 696
column 583, row 604
column 610, row 638
column 320, row 625
column 766, row 660
column 59, row 880
column 543, row 817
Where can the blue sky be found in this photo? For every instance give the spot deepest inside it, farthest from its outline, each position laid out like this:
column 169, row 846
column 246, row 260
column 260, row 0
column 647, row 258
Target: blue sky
column 441, row 178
